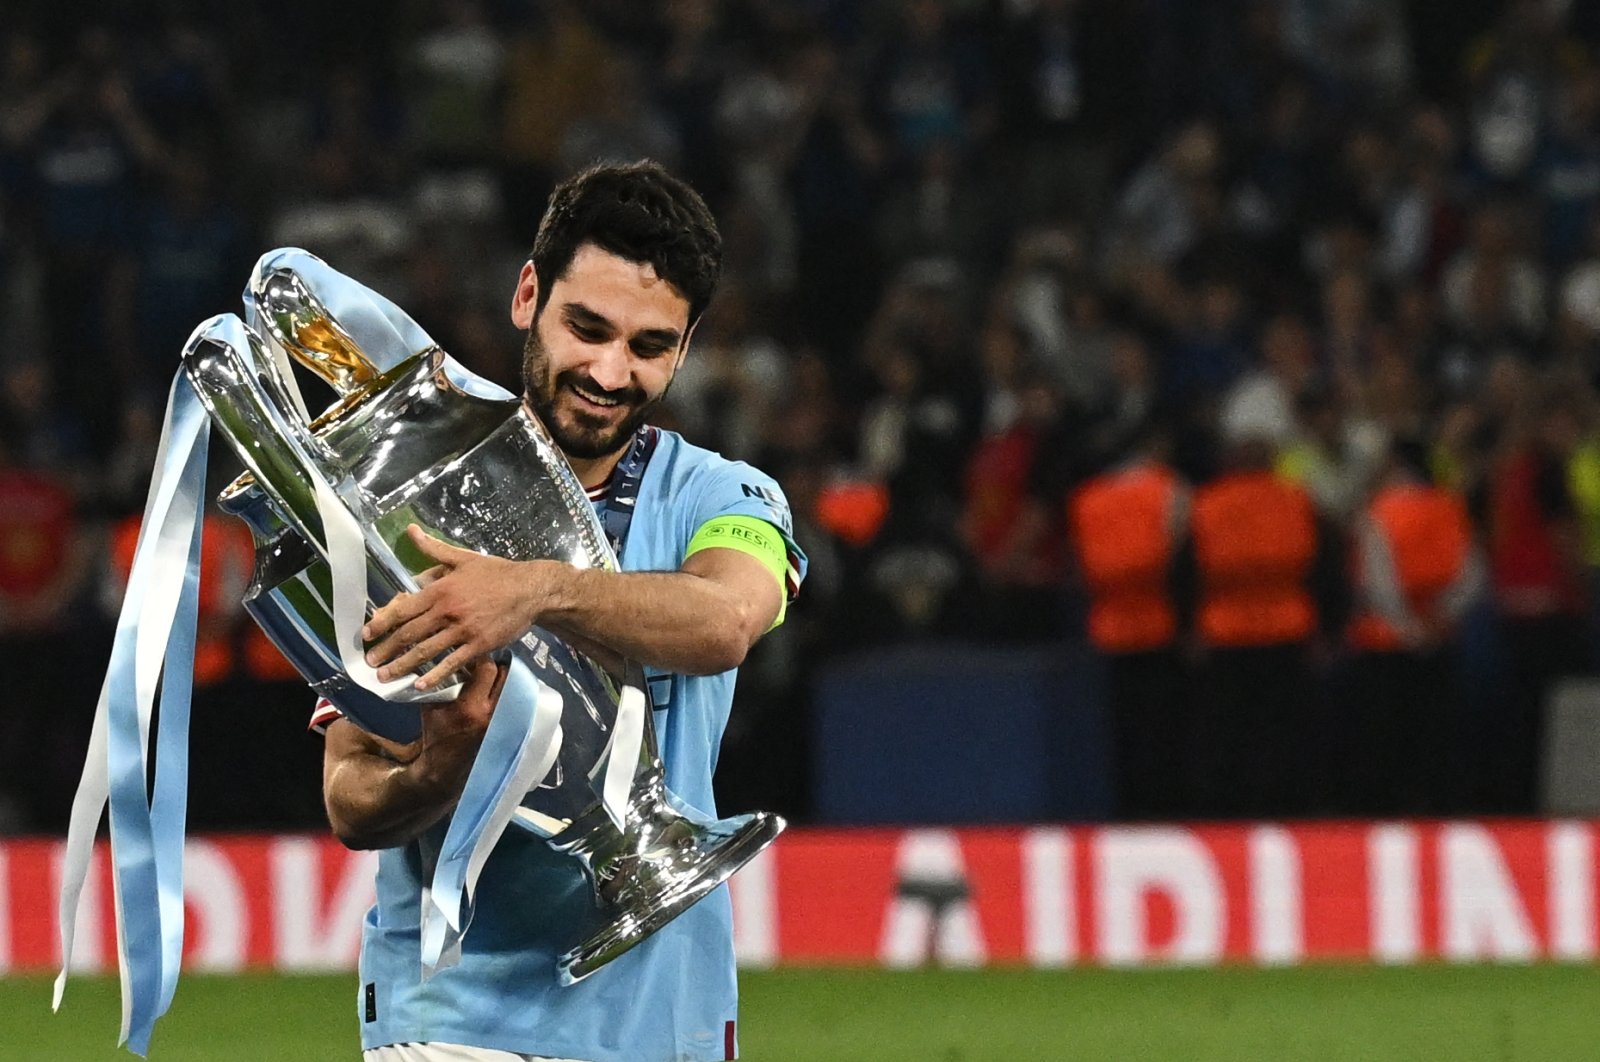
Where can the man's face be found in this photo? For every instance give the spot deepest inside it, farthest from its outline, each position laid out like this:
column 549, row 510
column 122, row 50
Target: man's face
column 602, row 352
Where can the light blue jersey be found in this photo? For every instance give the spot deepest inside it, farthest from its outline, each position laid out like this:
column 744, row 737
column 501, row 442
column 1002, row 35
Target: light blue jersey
column 672, row 998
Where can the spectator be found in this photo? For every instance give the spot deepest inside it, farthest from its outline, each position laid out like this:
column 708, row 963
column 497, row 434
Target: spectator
column 193, row 245
column 1537, row 570
column 1421, row 220
column 457, row 70
column 1493, row 287
column 1261, row 595
column 46, row 554
column 89, row 142
column 1168, row 204
column 1011, row 519
column 1125, row 526
column 1211, row 350
column 1514, row 73
column 1417, row 571
column 1569, row 166
column 933, row 84
column 1265, row 401
column 624, row 124
column 1333, row 457
column 555, row 64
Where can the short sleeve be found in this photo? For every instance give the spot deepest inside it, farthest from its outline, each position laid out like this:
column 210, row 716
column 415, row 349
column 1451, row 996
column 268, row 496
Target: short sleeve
column 733, row 488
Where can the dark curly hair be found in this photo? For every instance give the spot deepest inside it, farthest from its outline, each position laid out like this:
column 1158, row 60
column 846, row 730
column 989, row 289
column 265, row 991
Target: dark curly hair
column 637, row 211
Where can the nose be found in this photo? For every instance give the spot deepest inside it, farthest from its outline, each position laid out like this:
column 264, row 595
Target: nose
column 610, row 368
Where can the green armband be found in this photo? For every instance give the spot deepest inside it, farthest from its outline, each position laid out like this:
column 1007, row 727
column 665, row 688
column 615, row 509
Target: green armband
column 751, row 536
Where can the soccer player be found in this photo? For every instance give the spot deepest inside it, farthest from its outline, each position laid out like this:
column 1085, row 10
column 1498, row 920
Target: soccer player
column 625, row 262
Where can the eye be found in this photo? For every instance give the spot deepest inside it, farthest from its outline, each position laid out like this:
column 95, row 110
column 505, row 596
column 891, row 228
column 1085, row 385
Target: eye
column 650, row 350
column 588, row 333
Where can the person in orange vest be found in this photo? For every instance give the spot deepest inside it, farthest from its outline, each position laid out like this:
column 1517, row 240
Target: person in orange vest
column 1125, row 525
column 1416, row 570
column 246, row 694
column 227, row 558
column 1262, row 580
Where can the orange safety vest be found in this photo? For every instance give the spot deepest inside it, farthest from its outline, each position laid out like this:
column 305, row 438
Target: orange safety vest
column 263, row 660
column 227, row 557
column 1122, row 526
column 1429, row 536
column 1255, row 541
column 854, row 510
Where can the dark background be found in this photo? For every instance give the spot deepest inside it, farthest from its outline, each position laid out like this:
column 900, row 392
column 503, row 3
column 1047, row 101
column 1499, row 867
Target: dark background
column 974, row 251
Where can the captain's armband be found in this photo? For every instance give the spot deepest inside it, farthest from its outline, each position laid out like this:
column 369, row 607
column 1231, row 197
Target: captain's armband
column 751, row 536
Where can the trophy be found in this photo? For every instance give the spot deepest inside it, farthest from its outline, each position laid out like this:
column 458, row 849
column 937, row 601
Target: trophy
column 415, row 438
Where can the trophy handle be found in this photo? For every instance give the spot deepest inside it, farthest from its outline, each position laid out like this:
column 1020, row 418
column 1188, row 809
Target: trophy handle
column 293, row 317
column 237, row 382
column 240, row 387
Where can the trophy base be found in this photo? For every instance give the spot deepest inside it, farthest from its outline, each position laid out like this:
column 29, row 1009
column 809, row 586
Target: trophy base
column 728, row 844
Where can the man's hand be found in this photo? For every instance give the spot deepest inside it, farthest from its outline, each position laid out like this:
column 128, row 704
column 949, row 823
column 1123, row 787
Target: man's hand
column 453, row 730
column 380, row 794
column 470, row 605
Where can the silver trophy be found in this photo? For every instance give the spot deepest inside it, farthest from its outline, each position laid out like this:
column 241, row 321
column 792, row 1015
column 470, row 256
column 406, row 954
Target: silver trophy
column 422, row 441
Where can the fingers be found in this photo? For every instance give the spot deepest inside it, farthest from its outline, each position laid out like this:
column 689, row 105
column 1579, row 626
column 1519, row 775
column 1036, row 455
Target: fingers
column 501, row 673
column 434, row 549
column 433, row 575
column 472, row 708
column 401, row 607
column 417, row 655
column 402, row 638
column 457, row 659
column 484, row 678
column 482, row 691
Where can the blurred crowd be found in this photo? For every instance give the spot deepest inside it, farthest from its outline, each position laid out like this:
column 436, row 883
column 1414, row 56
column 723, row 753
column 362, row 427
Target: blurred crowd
column 1312, row 288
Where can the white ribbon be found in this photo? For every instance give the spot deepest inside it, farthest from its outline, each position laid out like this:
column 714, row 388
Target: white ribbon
column 519, row 748
column 156, row 625
column 622, row 763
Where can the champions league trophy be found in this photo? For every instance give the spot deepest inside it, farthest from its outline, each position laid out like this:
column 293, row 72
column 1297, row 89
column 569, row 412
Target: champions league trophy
column 415, row 438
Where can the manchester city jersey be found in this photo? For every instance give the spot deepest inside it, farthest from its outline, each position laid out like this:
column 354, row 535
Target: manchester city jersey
column 671, row 998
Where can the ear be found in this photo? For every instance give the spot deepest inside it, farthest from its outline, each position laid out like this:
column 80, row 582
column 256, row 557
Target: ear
column 525, row 299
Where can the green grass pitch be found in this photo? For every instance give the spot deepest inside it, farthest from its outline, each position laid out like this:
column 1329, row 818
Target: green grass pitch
column 1318, row 1014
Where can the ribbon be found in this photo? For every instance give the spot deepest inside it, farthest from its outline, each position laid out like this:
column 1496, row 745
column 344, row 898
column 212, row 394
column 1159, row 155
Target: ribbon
column 379, row 328
column 623, row 762
column 524, row 734
column 156, row 627
column 518, row 750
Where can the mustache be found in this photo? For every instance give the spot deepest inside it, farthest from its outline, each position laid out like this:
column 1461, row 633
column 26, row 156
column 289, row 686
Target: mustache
column 632, row 395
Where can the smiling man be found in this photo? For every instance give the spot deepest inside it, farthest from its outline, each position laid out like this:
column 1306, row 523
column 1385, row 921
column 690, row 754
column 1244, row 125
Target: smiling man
column 624, row 264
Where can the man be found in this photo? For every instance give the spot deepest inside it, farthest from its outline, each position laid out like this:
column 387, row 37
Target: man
column 1262, row 569
column 624, row 264
column 1126, row 525
column 1416, row 572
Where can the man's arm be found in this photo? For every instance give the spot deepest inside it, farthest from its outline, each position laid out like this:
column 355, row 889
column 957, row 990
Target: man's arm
column 699, row 620
column 383, row 795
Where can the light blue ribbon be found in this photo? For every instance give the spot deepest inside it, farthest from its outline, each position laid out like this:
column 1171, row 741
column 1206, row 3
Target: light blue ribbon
column 522, row 740
column 492, row 775
column 380, row 328
column 385, row 333
column 147, row 831
column 158, row 625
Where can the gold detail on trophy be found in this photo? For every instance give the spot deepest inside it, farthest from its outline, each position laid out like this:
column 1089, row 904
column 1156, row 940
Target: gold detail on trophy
column 341, row 362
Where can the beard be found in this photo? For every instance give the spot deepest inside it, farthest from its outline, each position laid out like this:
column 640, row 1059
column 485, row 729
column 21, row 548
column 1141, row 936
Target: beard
column 579, row 432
